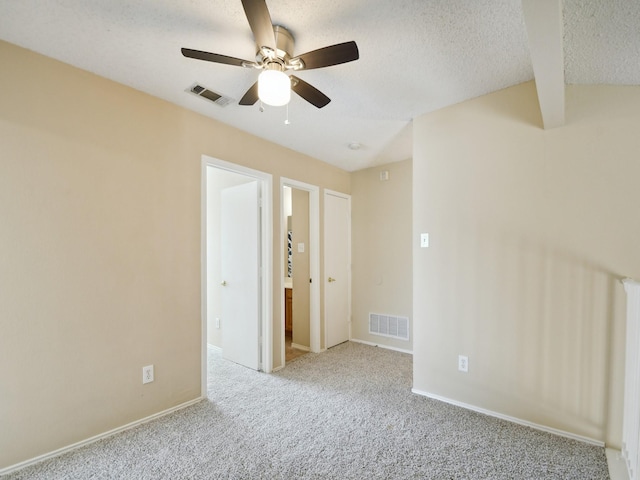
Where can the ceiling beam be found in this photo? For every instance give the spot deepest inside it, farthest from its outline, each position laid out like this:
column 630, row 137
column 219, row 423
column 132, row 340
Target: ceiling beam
column 543, row 20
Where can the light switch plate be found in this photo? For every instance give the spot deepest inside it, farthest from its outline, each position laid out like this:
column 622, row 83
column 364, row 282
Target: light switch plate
column 424, row 240
column 301, row 248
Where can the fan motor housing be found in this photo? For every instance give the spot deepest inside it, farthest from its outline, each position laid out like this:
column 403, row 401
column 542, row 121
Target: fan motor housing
column 284, row 41
column 284, row 44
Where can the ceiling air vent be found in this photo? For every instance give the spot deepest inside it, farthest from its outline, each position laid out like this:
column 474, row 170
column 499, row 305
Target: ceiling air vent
column 216, row 98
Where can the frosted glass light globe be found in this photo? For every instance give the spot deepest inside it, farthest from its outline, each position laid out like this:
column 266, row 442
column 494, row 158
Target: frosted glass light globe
column 274, row 88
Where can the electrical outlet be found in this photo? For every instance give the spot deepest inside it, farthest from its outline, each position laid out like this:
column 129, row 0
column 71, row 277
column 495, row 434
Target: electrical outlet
column 147, row 374
column 463, row 363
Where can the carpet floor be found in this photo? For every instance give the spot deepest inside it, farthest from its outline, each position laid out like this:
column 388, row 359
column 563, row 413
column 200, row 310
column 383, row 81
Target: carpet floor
column 347, row 413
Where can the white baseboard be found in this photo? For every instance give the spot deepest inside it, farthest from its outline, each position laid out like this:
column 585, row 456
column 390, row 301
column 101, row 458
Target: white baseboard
column 508, row 418
column 215, row 347
column 617, row 465
column 82, row 443
column 300, row 347
column 402, row 350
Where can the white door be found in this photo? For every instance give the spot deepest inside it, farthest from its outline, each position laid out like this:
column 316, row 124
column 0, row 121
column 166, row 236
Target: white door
column 337, row 259
column 240, row 266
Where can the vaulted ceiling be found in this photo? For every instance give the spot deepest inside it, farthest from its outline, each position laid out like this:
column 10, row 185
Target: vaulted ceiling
column 416, row 56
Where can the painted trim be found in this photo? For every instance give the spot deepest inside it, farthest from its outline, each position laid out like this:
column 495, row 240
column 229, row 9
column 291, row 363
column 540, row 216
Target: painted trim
column 616, row 464
column 508, row 418
column 95, row 438
column 267, row 273
column 401, row 350
column 300, row 347
column 203, row 276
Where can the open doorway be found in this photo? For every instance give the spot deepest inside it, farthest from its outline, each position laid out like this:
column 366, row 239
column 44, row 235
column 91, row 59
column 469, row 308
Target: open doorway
column 236, row 265
column 297, row 310
column 300, row 269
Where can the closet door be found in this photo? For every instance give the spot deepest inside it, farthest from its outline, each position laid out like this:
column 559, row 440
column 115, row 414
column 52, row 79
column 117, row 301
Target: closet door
column 240, row 298
column 337, row 260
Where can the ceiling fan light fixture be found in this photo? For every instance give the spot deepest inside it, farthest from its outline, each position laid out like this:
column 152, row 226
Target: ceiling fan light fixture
column 274, row 56
column 274, row 88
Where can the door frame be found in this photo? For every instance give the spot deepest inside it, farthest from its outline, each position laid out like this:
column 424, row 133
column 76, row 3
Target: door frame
column 265, row 339
column 314, row 262
column 347, row 197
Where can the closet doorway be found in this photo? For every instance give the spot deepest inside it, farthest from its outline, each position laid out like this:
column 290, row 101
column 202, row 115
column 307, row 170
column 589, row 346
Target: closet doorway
column 237, row 287
column 300, row 269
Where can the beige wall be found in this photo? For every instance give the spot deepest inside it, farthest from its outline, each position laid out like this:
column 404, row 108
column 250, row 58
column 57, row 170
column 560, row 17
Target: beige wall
column 530, row 232
column 100, row 200
column 381, row 249
column 301, row 268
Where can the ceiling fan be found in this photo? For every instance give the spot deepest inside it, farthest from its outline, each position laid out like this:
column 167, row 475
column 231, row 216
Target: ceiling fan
column 274, row 58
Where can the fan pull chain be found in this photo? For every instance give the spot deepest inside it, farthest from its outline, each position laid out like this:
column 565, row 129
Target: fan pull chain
column 286, row 120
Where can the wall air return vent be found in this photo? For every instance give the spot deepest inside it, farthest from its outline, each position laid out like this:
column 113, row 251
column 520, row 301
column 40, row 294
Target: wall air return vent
column 210, row 95
column 389, row 326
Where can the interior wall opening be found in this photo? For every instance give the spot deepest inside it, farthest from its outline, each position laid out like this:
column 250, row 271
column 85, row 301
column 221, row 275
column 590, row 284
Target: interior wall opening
column 300, row 269
column 236, row 270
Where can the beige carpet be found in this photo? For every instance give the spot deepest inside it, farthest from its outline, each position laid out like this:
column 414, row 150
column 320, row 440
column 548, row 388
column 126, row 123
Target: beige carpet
column 347, row 413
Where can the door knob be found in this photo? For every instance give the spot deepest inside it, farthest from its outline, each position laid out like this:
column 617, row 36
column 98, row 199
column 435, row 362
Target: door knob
column 331, row 279
column 223, row 283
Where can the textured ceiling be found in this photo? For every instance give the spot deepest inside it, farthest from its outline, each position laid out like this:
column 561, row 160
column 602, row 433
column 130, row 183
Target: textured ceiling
column 416, row 56
column 602, row 42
